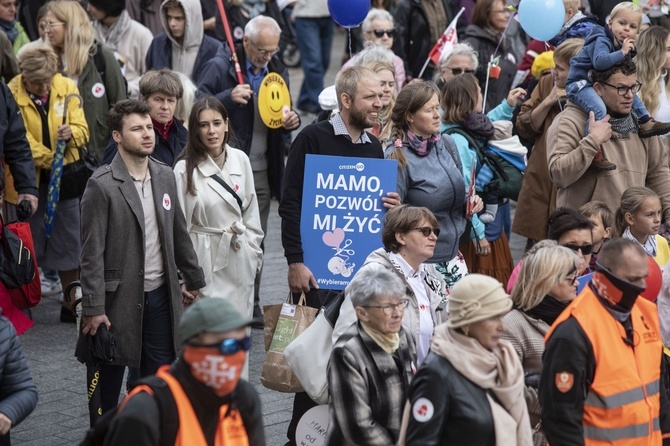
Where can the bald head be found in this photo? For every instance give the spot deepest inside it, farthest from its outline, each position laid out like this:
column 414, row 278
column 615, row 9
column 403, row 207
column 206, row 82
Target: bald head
column 625, row 259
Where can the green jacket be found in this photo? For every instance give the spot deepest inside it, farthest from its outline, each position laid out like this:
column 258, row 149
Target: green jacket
column 21, row 39
column 99, row 95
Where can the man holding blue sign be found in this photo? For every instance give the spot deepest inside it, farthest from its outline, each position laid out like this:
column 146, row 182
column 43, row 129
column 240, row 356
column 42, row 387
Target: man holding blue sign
column 359, row 99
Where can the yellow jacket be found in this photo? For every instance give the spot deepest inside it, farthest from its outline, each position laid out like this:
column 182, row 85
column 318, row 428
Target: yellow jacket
column 42, row 155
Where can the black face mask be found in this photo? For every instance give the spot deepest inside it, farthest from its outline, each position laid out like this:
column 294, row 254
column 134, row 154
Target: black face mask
column 619, row 293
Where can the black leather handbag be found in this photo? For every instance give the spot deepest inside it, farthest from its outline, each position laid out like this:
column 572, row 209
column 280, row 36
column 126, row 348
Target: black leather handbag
column 75, row 175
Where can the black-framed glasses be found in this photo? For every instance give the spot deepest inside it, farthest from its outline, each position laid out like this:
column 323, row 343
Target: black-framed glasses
column 230, row 346
column 585, row 249
column 571, row 278
column 379, row 33
column 390, row 308
column 426, row 230
column 262, row 52
column 623, row 91
column 459, row 71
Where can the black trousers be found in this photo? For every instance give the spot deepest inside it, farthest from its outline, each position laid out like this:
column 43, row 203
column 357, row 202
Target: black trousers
column 157, row 346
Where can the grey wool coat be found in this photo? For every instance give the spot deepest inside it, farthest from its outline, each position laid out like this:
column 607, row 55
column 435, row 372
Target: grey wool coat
column 112, row 259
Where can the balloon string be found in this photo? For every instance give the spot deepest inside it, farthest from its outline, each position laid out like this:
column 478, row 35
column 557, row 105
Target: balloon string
column 351, row 54
column 502, row 36
column 551, row 69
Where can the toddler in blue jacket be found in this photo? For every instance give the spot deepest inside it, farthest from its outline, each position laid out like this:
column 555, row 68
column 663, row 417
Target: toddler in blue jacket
column 603, row 48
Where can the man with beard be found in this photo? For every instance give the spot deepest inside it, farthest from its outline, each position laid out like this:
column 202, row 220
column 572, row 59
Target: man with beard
column 640, row 162
column 602, row 379
column 359, row 95
column 135, row 250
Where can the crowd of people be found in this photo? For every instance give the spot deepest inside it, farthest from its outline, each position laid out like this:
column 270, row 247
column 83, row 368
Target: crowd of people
column 440, row 338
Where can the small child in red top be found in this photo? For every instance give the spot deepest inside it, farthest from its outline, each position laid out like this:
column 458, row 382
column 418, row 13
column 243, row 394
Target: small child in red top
column 603, row 220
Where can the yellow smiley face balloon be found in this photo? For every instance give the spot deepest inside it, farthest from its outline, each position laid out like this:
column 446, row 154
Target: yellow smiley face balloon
column 274, row 100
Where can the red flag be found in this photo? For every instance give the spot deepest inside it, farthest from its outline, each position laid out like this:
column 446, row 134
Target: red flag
column 448, row 39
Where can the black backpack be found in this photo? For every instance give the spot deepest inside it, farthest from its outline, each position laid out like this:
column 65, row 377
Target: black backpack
column 167, row 410
column 507, row 179
column 16, row 265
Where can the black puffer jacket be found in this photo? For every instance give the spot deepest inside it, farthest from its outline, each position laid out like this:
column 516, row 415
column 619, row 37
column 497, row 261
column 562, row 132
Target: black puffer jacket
column 446, row 408
column 18, row 393
column 413, row 43
column 484, row 43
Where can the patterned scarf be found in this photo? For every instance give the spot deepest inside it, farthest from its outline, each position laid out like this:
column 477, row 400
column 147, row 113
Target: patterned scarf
column 111, row 36
column 9, row 29
column 479, row 126
column 625, row 124
column 420, row 146
column 649, row 244
column 254, row 7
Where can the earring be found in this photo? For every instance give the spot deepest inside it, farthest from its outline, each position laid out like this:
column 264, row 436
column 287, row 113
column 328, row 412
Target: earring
column 465, row 329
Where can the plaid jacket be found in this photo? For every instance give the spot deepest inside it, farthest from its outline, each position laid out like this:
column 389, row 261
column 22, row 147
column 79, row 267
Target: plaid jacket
column 368, row 389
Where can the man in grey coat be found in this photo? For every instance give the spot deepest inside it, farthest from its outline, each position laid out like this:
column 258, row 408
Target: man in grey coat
column 134, row 248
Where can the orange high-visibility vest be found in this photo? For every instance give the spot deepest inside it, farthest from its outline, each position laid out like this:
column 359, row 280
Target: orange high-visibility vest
column 622, row 405
column 231, row 430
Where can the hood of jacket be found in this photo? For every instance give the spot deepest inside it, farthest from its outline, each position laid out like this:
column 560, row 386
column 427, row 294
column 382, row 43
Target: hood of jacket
column 480, row 33
column 194, row 30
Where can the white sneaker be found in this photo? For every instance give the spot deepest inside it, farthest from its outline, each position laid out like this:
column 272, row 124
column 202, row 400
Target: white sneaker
column 50, row 288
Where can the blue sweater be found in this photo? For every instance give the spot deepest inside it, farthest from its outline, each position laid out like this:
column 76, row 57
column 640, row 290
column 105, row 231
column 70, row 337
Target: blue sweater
column 599, row 52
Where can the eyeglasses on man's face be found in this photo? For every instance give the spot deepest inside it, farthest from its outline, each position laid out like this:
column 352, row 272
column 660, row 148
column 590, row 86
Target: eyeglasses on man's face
column 264, row 53
column 230, row 346
column 624, row 89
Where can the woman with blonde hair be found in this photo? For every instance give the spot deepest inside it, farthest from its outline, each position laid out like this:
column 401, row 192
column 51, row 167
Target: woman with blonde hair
column 546, row 284
column 386, row 73
column 84, row 60
column 43, row 95
column 653, row 62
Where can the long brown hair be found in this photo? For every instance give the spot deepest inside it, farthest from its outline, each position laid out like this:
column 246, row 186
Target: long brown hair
column 195, row 151
column 409, row 101
column 459, row 98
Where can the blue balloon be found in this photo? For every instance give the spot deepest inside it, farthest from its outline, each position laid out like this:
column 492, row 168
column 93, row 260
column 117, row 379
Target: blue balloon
column 349, row 13
column 541, row 19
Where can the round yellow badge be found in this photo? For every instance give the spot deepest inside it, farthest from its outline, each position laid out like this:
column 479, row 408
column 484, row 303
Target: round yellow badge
column 274, row 100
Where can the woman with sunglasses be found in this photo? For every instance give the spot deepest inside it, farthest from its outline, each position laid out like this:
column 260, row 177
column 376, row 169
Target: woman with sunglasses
column 378, row 29
column 537, row 198
column 371, row 363
column 98, row 76
column 546, row 284
column 409, row 236
column 457, row 60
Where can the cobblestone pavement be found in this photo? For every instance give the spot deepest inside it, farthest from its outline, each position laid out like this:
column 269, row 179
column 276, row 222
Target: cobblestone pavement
column 61, row 416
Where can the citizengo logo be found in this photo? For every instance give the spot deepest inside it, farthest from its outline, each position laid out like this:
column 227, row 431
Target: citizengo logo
column 359, row 167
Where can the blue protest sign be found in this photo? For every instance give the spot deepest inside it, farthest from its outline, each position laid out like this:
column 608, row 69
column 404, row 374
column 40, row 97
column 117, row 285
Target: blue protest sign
column 342, row 211
column 582, row 281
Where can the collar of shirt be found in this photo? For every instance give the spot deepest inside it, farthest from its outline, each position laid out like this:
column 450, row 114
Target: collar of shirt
column 147, row 177
column 255, row 79
column 405, row 267
column 341, row 129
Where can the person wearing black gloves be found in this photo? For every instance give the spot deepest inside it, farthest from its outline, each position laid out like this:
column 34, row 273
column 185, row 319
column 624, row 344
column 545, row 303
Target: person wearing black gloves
column 602, row 365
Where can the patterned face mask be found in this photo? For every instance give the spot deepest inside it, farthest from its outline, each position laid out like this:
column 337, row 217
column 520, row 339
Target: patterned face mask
column 219, row 372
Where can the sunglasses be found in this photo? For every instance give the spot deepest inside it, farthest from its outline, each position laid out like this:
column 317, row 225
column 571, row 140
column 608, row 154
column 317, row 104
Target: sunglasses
column 229, row 347
column 585, row 249
column 426, row 230
column 379, row 33
column 459, row 71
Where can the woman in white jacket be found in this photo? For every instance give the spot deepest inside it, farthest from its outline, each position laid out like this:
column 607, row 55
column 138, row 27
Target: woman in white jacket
column 223, row 221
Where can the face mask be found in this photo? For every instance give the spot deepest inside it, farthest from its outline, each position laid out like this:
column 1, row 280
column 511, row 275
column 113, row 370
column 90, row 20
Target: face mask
column 220, row 373
column 617, row 292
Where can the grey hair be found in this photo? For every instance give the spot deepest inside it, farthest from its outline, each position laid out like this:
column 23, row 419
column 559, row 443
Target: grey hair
column 460, row 49
column 183, row 109
column 255, row 25
column 372, row 282
column 376, row 14
column 374, row 52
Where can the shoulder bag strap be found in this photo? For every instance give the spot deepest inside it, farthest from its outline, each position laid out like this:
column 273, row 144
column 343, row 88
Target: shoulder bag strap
column 219, row 180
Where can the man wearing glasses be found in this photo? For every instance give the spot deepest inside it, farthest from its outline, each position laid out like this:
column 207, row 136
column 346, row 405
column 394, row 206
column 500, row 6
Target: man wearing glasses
column 204, row 382
column 639, row 161
column 257, row 57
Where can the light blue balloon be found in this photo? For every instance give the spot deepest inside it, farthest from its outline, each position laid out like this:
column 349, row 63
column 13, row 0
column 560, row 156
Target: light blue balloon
column 541, row 19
